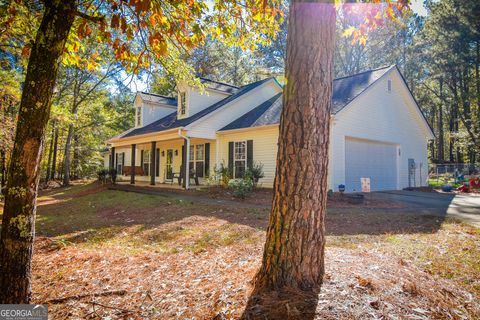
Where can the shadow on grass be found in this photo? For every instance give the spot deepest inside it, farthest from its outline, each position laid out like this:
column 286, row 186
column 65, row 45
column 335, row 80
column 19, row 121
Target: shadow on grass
column 94, row 209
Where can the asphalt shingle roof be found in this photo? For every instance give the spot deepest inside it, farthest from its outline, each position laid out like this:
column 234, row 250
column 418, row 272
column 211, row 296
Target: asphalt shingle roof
column 171, row 122
column 156, row 98
column 345, row 90
column 220, row 86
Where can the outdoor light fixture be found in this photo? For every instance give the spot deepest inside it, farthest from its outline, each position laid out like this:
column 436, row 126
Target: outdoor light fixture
column 176, row 152
column 163, row 153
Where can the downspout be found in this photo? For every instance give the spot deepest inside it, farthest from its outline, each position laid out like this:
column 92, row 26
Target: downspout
column 187, row 159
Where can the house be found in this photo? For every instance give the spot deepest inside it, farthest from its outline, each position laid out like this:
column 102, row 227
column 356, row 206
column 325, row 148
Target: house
column 377, row 131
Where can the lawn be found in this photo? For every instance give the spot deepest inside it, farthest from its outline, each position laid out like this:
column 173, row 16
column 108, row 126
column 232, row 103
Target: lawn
column 106, row 253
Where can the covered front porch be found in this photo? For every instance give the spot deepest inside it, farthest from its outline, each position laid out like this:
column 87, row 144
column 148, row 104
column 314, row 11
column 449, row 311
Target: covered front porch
column 161, row 160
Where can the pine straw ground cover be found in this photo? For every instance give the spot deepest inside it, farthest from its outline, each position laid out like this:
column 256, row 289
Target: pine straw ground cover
column 110, row 254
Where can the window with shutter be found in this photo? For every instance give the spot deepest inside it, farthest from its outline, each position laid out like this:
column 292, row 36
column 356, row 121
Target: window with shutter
column 240, row 159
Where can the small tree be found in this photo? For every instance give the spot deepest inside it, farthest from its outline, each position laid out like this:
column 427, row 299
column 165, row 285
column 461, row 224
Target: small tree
column 138, row 32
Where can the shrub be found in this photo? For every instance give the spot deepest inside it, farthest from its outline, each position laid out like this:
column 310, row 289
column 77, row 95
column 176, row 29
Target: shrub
column 113, row 175
column 224, row 174
column 102, row 175
column 255, row 173
column 241, row 187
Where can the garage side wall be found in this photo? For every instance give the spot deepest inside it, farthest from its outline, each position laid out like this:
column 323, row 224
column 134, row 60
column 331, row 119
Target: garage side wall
column 383, row 116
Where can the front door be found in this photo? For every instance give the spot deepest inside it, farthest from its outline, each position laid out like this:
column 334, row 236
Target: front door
column 169, row 164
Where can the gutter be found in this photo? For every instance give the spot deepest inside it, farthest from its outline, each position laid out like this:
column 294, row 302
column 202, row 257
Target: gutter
column 139, row 136
column 187, row 159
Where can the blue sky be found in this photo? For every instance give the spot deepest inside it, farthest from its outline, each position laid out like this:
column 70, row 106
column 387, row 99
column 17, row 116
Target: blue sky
column 418, row 7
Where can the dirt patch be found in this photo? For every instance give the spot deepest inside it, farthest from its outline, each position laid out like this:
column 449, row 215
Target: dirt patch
column 338, row 200
column 260, row 196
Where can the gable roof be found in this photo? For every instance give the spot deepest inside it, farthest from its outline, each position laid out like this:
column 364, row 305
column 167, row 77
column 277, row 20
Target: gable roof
column 265, row 114
column 156, row 98
column 345, row 90
column 171, row 121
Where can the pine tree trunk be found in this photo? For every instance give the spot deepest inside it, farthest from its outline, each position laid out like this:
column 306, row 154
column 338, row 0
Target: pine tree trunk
column 294, row 248
column 76, row 157
column 55, row 150
column 441, row 140
column 3, row 170
column 18, row 226
column 50, row 152
column 66, row 157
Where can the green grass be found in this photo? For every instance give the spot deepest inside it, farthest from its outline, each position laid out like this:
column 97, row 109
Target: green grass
column 134, row 223
column 438, row 183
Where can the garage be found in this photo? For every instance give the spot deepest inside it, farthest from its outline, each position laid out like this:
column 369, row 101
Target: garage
column 370, row 159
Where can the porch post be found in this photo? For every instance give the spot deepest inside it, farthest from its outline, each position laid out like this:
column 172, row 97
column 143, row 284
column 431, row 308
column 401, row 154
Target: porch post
column 186, row 163
column 132, row 173
column 153, row 160
column 112, row 159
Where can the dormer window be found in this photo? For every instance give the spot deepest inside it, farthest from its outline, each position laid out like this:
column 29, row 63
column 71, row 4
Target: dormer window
column 182, row 100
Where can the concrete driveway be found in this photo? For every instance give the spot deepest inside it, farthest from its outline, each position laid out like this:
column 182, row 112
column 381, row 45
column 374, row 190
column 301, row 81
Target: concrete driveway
column 463, row 207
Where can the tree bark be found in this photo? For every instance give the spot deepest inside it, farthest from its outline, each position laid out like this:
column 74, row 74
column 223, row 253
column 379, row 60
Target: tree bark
column 18, row 226
column 294, row 249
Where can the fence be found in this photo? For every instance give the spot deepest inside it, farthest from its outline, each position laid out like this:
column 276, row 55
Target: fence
column 452, row 172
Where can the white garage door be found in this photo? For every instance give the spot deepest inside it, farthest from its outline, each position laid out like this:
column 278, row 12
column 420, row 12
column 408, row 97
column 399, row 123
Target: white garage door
column 368, row 159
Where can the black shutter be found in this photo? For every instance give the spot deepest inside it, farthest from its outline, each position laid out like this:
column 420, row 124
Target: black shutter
column 141, row 162
column 123, row 162
column 112, row 164
column 157, row 163
column 207, row 159
column 230, row 157
column 249, row 154
column 116, row 162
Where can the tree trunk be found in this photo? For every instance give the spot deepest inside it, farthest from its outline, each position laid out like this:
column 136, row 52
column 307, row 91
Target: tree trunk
column 55, row 150
column 294, row 249
column 76, row 157
column 441, row 141
column 50, row 152
column 3, row 169
column 18, row 226
column 66, row 157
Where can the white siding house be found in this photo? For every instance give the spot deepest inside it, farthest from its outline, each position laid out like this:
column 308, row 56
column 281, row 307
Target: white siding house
column 377, row 132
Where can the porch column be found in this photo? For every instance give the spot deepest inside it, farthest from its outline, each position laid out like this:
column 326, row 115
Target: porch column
column 186, row 163
column 153, row 160
column 112, row 159
column 132, row 173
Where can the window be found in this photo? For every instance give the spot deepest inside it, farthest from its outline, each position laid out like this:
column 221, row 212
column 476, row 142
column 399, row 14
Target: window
column 239, row 159
column 146, row 162
column 183, row 103
column 120, row 163
column 138, row 119
column 197, row 159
